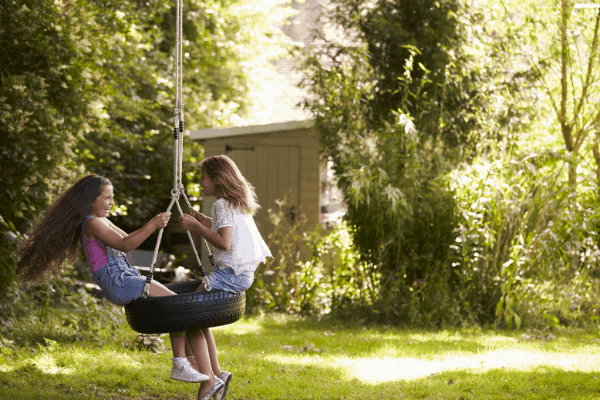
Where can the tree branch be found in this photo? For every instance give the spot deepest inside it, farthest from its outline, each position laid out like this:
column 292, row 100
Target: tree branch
column 564, row 58
column 590, row 68
column 533, row 65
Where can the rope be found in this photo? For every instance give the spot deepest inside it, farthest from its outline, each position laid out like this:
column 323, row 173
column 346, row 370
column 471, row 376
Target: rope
column 178, row 129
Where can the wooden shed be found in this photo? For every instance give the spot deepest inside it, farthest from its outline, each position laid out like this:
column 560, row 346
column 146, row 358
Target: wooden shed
column 280, row 159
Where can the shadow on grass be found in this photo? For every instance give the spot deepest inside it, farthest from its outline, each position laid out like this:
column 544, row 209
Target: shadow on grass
column 31, row 382
column 343, row 339
column 97, row 336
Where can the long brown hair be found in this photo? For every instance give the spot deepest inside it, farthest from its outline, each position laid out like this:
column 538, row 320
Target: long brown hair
column 56, row 238
column 230, row 184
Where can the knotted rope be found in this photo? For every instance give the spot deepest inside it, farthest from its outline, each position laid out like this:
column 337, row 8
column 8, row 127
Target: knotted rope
column 178, row 129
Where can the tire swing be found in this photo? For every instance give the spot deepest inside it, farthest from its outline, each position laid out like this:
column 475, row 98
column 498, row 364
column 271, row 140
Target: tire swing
column 188, row 309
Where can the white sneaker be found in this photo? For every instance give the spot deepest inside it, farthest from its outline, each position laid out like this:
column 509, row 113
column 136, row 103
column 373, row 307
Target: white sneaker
column 183, row 371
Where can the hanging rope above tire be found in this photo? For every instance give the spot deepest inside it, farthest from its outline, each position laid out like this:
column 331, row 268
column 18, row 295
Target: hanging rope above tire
column 188, row 309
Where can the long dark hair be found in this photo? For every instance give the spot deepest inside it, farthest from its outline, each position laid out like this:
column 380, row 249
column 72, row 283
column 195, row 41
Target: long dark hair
column 56, row 238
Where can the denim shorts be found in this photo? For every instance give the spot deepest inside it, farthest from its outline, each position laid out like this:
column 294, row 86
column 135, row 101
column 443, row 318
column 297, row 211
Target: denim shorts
column 120, row 282
column 224, row 278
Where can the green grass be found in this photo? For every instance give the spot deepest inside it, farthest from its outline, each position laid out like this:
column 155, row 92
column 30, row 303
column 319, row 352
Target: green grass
column 279, row 357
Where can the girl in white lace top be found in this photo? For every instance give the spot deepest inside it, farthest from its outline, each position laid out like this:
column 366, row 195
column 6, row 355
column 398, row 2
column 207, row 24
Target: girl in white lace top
column 239, row 247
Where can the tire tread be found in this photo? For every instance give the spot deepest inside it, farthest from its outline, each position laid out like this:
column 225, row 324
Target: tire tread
column 185, row 311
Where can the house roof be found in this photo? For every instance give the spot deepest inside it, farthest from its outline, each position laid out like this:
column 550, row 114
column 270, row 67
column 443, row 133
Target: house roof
column 214, row 133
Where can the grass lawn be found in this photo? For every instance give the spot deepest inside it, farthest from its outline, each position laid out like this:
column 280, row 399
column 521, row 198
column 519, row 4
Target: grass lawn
column 278, row 357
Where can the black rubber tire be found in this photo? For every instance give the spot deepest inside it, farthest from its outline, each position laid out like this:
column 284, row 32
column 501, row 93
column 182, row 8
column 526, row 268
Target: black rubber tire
column 186, row 311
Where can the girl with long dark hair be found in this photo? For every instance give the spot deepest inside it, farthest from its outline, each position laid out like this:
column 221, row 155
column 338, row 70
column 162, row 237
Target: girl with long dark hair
column 80, row 215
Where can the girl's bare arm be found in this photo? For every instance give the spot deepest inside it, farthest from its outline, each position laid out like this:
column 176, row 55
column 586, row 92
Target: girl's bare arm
column 221, row 239
column 114, row 227
column 203, row 219
column 110, row 235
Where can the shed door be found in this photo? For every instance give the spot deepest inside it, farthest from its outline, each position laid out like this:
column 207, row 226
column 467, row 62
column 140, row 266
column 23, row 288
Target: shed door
column 274, row 171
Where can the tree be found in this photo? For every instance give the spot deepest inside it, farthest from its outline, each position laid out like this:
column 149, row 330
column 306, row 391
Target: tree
column 411, row 91
column 88, row 87
column 561, row 46
column 133, row 145
column 44, row 99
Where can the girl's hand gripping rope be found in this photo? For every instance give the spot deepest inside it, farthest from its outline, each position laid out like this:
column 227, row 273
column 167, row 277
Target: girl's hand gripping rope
column 187, row 222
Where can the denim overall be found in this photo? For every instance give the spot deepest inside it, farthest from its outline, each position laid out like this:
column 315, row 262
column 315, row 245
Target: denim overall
column 120, row 282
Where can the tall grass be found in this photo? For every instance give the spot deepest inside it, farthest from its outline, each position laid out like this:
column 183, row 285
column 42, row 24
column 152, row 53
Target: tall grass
column 526, row 237
column 57, row 308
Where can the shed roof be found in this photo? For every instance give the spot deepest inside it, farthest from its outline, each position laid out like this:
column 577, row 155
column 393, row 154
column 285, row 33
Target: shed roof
column 214, row 133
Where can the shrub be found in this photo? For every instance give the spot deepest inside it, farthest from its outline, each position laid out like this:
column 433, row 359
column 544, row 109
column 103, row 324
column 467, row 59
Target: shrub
column 59, row 307
column 521, row 225
column 505, row 241
column 313, row 272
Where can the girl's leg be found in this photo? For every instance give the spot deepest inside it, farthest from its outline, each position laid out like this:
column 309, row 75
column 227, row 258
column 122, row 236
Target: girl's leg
column 210, row 342
column 188, row 350
column 182, row 370
column 178, row 344
column 197, row 343
column 212, row 351
column 178, row 339
column 190, row 355
column 157, row 289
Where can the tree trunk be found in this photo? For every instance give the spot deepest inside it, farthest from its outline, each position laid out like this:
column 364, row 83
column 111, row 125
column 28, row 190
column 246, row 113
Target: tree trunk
column 597, row 158
column 566, row 128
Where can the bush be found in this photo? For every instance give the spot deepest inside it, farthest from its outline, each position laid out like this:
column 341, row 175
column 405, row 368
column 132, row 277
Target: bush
column 505, row 242
column 43, row 108
column 59, row 308
column 314, row 272
column 521, row 226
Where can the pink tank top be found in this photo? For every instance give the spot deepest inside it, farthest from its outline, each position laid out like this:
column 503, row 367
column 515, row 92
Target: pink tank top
column 94, row 250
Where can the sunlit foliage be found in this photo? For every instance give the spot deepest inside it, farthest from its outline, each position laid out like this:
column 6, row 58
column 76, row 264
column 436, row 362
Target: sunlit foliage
column 89, row 86
column 439, row 119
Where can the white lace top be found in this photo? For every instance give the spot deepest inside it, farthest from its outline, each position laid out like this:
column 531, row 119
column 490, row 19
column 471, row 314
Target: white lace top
column 248, row 249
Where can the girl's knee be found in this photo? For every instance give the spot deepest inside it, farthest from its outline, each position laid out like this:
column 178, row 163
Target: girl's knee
column 157, row 289
column 194, row 332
